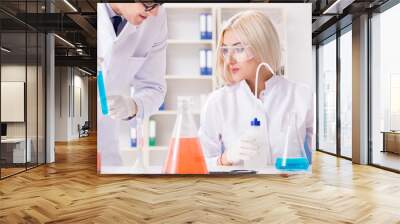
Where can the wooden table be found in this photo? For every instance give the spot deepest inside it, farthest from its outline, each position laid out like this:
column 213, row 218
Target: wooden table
column 391, row 141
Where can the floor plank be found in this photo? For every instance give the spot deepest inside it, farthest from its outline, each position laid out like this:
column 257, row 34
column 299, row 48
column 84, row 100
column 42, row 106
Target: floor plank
column 70, row 191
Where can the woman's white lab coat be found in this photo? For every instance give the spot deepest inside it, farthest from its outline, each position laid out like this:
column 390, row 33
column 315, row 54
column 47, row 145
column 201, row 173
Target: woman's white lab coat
column 229, row 110
column 135, row 58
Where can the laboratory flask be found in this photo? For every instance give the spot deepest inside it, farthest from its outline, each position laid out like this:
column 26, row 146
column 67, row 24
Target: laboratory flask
column 185, row 155
column 293, row 156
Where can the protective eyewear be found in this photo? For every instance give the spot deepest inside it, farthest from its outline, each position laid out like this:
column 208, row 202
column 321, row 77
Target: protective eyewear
column 148, row 6
column 239, row 53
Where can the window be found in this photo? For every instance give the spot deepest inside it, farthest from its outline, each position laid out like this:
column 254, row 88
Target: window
column 385, row 88
column 327, row 96
column 22, row 77
column 346, row 93
column 394, row 101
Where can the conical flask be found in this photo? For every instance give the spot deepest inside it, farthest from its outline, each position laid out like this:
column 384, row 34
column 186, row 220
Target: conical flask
column 293, row 156
column 185, row 155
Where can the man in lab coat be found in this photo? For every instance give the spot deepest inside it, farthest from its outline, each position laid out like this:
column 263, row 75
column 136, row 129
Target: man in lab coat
column 131, row 49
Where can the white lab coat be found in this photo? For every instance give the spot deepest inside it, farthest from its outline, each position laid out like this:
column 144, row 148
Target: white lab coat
column 229, row 110
column 135, row 58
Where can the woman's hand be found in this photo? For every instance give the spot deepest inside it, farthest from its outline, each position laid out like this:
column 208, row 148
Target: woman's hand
column 223, row 161
column 242, row 150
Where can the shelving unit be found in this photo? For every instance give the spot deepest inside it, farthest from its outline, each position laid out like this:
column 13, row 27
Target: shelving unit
column 183, row 73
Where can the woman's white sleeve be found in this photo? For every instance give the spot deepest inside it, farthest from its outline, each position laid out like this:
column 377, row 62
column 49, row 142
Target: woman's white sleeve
column 210, row 130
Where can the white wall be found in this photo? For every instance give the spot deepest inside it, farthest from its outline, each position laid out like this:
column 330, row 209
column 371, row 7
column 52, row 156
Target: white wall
column 69, row 85
column 61, row 103
column 14, row 73
column 33, row 126
column 81, row 84
column 299, row 40
column 10, row 74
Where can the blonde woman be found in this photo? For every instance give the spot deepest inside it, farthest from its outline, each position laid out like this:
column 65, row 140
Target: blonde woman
column 247, row 40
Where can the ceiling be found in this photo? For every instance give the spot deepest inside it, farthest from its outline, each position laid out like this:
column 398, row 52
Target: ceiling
column 76, row 23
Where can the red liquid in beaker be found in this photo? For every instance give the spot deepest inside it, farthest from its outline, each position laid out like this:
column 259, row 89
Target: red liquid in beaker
column 186, row 158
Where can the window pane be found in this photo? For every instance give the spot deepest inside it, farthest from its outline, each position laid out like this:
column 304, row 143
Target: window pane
column 386, row 88
column 13, row 86
column 22, row 88
column 41, row 98
column 31, row 97
column 346, row 94
column 327, row 97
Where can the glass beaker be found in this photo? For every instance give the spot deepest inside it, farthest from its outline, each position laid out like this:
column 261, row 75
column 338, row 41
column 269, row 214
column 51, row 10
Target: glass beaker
column 293, row 157
column 185, row 155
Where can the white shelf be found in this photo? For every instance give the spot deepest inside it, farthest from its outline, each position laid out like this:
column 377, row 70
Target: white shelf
column 177, row 41
column 189, row 77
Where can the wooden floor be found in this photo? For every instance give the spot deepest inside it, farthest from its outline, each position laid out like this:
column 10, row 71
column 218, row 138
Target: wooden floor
column 386, row 159
column 10, row 171
column 70, row 191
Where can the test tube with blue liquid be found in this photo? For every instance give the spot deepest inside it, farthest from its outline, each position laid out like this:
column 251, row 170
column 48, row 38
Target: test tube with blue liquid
column 101, row 87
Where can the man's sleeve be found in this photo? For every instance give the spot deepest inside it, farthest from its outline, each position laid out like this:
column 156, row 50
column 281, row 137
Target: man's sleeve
column 149, row 83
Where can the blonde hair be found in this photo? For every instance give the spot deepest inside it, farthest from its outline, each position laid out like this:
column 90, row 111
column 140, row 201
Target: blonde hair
column 255, row 29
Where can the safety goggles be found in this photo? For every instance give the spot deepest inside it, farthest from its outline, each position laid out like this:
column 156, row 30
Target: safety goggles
column 240, row 53
column 148, row 6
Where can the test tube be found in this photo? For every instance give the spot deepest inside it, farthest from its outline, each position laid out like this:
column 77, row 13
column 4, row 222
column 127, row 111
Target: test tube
column 152, row 133
column 133, row 138
column 102, row 93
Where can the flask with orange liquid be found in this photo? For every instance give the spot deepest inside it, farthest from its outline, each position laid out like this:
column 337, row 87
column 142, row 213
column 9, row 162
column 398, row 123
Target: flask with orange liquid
column 185, row 155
